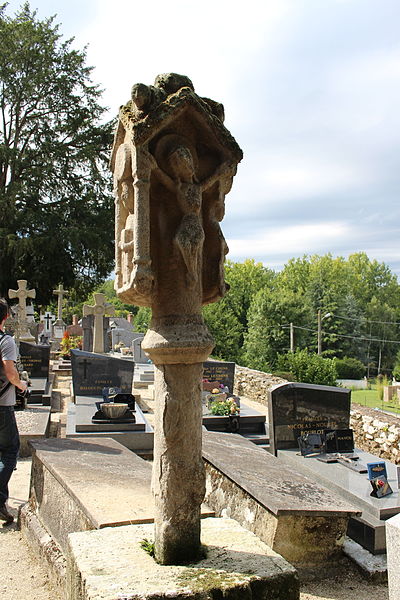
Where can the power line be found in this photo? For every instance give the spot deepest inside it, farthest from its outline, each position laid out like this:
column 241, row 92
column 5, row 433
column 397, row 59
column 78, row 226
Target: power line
column 351, row 337
column 366, row 320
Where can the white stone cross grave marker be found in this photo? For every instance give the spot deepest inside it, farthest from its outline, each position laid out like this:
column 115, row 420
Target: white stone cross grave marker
column 48, row 320
column 100, row 309
column 22, row 293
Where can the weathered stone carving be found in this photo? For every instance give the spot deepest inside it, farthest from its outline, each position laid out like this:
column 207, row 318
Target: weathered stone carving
column 173, row 162
column 22, row 293
column 170, row 144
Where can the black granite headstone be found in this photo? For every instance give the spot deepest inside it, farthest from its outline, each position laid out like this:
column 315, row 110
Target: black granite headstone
column 295, row 409
column 224, row 372
column 93, row 372
column 35, row 359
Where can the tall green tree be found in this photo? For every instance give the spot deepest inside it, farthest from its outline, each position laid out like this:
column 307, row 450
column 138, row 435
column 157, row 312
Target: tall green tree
column 228, row 318
column 55, row 192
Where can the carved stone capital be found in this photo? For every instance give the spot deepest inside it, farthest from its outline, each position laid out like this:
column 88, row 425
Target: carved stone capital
column 178, row 339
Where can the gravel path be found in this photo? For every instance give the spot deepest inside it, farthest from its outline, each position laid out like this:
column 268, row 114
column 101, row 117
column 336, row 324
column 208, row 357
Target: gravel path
column 22, row 577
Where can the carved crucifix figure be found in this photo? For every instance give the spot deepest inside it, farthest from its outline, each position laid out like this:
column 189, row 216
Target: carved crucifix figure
column 100, row 309
column 178, row 164
column 22, row 293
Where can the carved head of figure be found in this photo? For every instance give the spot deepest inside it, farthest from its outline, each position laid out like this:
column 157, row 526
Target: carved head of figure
column 172, row 82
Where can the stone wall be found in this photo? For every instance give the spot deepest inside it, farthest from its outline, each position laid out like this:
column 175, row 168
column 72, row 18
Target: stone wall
column 254, row 384
column 376, row 432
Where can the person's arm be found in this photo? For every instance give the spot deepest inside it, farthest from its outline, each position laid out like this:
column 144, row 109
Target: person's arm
column 12, row 375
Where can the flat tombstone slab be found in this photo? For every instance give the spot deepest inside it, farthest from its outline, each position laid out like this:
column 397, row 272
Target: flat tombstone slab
column 111, row 564
column 224, row 372
column 297, row 408
column 35, row 359
column 33, row 424
column 393, row 553
column 274, row 485
column 350, row 484
column 83, row 484
column 93, row 372
column 86, row 408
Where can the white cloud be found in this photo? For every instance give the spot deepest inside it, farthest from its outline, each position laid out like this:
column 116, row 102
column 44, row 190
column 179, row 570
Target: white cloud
column 288, row 240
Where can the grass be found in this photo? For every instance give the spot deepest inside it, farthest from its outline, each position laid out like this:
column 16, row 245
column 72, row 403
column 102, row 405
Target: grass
column 370, row 398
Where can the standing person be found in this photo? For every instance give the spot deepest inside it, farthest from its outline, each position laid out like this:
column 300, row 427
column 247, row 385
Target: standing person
column 9, row 437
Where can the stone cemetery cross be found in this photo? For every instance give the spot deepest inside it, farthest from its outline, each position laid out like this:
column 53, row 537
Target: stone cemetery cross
column 22, row 293
column 60, row 292
column 99, row 310
column 173, row 162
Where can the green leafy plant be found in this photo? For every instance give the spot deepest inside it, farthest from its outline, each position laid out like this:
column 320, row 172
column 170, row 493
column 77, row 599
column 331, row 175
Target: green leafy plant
column 148, row 546
column 224, row 407
column 349, row 368
column 308, row 367
column 69, row 342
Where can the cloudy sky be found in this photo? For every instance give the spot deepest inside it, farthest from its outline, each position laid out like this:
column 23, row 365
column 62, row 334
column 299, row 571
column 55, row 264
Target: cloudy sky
column 311, row 90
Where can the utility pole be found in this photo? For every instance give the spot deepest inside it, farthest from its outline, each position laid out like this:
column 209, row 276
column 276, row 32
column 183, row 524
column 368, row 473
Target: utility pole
column 319, row 341
column 319, row 334
column 291, row 337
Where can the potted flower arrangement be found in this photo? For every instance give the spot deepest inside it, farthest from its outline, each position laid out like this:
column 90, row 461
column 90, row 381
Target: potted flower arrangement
column 69, row 342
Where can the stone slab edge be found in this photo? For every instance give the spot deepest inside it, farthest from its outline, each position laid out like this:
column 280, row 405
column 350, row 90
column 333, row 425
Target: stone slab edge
column 54, row 473
column 373, row 567
column 44, row 545
column 109, row 564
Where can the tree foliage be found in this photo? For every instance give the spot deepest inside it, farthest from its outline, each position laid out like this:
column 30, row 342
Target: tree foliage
column 55, row 197
column 228, row 318
column 308, row 367
column 359, row 301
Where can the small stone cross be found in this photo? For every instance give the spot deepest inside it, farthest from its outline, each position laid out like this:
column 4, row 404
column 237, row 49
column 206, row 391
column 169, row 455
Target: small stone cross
column 22, row 293
column 99, row 310
column 60, row 292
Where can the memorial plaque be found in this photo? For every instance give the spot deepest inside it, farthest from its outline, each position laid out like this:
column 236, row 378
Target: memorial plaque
column 35, row 359
column 224, row 372
column 93, row 372
column 298, row 408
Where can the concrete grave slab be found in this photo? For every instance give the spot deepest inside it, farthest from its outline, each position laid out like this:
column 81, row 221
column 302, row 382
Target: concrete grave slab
column 110, row 564
column 298, row 518
column 83, row 484
column 33, row 424
column 369, row 529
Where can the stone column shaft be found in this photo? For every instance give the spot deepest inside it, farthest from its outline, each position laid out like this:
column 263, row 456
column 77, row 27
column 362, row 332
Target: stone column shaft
column 178, row 471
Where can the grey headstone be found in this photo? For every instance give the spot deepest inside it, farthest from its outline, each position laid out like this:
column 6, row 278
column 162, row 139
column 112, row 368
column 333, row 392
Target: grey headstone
column 124, row 336
column 138, row 355
column 93, row 372
column 298, row 408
